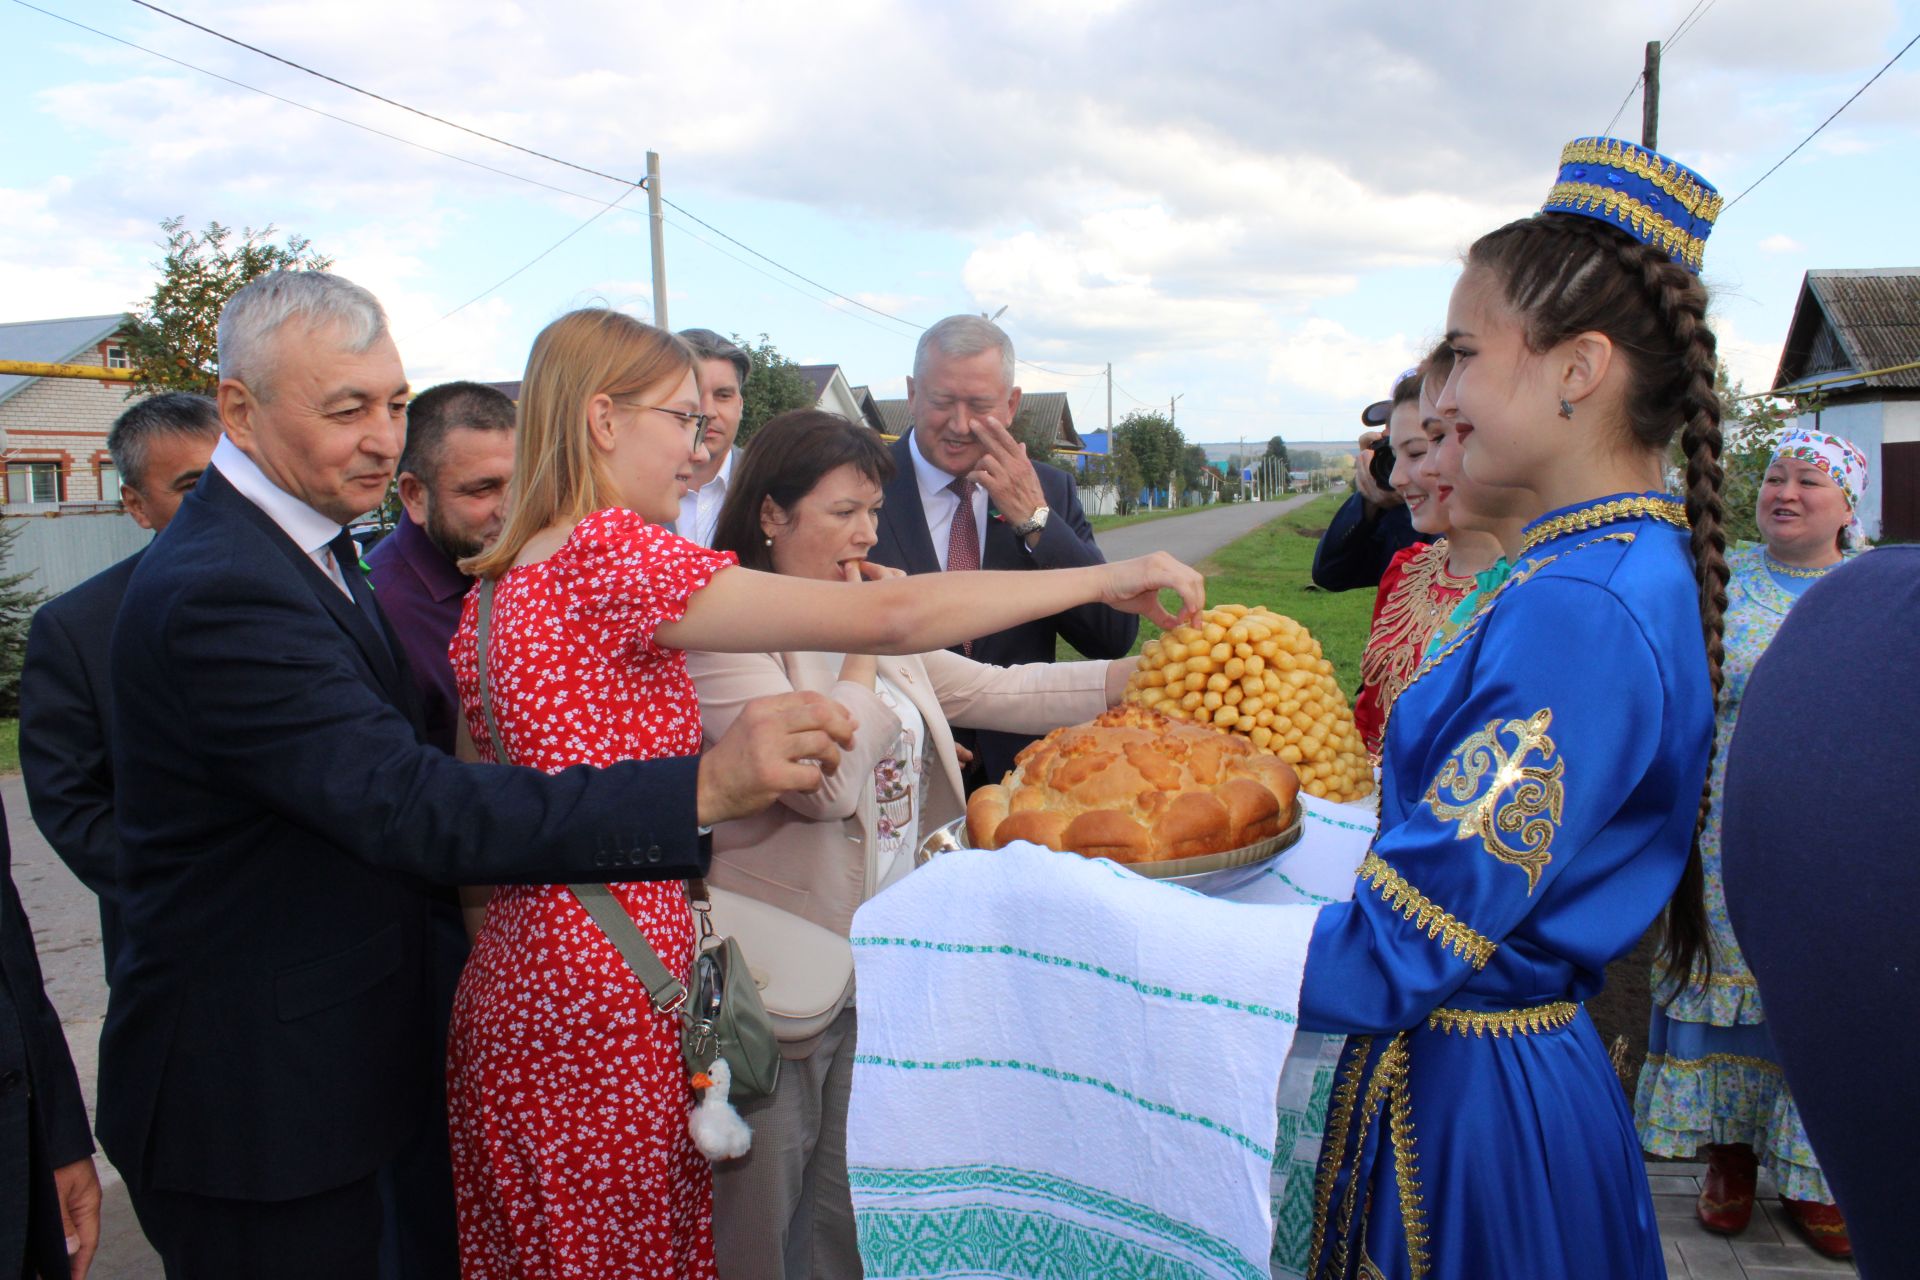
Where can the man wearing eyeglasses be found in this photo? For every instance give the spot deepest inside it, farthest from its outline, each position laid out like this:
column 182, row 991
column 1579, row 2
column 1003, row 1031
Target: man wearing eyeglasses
column 723, row 368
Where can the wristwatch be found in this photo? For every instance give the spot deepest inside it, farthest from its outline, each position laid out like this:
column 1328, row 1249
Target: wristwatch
column 1034, row 525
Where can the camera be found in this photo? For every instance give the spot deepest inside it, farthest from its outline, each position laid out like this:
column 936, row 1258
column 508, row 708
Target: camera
column 1380, row 465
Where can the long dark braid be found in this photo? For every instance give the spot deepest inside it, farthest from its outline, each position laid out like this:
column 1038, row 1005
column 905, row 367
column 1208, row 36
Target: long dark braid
column 1566, row 274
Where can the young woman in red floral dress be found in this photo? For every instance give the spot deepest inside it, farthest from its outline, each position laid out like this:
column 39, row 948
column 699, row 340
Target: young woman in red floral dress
column 567, row 1098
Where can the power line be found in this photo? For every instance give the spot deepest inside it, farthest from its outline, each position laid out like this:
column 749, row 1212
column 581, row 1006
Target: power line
column 1608, row 130
column 1686, row 28
column 328, row 115
column 597, row 215
column 628, row 185
column 1672, row 36
column 789, row 270
column 1824, row 123
column 368, row 93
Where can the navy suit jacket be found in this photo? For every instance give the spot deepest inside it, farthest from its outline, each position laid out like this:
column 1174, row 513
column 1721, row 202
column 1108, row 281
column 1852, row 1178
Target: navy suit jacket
column 43, row 1120
column 66, row 709
column 1096, row 630
column 1356, row 549
column 271, row 1033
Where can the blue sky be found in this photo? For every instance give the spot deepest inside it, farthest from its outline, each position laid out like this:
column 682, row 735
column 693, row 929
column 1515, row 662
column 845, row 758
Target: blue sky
column 1257, row 207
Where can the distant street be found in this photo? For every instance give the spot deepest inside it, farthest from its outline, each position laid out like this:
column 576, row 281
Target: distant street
column 1193, row 538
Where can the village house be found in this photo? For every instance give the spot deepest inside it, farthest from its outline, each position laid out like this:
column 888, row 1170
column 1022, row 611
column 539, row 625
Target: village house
column 53, row 431
column 1855, row 341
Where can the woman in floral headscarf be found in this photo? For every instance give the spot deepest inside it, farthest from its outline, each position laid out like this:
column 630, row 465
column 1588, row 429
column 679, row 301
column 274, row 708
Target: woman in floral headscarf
column 1711, row 1078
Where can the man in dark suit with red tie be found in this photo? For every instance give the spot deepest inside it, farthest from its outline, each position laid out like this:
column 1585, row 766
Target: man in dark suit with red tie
column 270, row 1036
column 965, row 495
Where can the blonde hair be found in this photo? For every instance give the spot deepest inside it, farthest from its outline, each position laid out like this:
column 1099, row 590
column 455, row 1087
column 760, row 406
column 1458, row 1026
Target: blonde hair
column 557, row 473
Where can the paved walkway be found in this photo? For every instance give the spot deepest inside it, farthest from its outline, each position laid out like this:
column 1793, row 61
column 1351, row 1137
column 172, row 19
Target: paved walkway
column 66, row 930
column 1194, row 537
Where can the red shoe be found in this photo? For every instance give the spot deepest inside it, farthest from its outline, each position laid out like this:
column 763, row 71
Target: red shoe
column 1822, row 1226
column 1726, row 1192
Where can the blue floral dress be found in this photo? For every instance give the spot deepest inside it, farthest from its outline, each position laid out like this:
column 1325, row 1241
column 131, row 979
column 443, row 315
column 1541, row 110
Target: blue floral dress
column 1711, row 1074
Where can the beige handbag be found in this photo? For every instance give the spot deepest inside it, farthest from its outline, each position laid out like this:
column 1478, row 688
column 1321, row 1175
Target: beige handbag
column 804, row 972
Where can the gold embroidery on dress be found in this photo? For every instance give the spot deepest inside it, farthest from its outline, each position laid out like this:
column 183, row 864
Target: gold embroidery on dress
column 1510, row 1022
column 1670, row 510
column 1484, row 605
column 1406, row 1172
column 1519, row 832
column 1408, row 618
column 1333, row 1149
column 1467, row 943
column 1368, row 1271
column 1386, row 1074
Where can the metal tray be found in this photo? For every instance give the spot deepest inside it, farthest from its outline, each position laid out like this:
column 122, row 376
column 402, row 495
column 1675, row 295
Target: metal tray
column 1211, row 873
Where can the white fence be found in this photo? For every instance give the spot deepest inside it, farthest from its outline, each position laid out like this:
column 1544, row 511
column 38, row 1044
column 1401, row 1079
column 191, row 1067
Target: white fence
column 65, row 547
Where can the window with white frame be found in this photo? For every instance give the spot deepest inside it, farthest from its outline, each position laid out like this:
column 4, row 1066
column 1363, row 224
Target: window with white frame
column 38, row 483
column 117, row 358
column 109, row 482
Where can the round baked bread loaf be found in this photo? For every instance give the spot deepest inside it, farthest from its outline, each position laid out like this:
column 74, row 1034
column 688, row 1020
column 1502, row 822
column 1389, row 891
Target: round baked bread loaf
column 1136, row 786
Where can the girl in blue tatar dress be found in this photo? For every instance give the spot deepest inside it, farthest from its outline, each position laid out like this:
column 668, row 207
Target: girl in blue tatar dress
column 1543, row 770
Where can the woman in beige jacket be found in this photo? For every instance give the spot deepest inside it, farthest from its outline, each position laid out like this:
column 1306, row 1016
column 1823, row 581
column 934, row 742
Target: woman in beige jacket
column 806, row 503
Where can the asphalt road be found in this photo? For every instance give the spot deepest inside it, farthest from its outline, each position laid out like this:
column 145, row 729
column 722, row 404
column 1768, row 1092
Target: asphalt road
column 66, row 932
column 1195, row 537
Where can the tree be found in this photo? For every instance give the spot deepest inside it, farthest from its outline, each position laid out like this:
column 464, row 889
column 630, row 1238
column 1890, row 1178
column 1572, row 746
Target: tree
column 172, row 342
column 1277, row 448
column 1154, row 444
column 17, row 603
column 774, row 386
column 1749, row 428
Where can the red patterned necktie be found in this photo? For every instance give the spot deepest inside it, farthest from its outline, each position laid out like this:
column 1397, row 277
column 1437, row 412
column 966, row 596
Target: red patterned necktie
column 963, row 538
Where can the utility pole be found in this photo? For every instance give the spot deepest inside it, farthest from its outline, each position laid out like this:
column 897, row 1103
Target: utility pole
column 1650, row 100
column 1171, row 419
column 1109, row 406
column 659, row 240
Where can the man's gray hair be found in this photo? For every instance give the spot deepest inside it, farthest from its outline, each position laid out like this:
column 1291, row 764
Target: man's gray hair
column 315, row 298
column 958, row 337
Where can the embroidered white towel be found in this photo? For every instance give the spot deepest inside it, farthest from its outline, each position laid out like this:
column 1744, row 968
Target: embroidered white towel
column 1319, row 870
column 1066, row 1069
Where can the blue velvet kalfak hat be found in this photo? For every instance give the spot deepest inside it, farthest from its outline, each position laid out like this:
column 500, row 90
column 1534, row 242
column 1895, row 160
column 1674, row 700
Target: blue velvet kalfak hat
column 1655, row 200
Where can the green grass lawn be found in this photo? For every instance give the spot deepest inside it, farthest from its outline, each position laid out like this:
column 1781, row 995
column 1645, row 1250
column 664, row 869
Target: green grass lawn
column 9, row 746
column 1273, row 566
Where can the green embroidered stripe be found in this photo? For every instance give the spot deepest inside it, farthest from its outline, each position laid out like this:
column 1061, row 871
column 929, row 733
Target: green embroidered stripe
column 1098, row 971
column 1066, row 1077
column 1319, row 900
column 1324, row 820
column 1002, row 1180
column 989, row 1240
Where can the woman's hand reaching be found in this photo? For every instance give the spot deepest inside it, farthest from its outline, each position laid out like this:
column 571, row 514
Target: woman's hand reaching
column 1134, row 586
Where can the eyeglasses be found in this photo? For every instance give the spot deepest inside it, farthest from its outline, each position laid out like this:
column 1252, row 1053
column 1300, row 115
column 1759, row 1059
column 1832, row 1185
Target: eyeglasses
column 698, row 421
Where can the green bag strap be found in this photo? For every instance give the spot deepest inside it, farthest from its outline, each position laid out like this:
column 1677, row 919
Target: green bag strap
column 667, row 992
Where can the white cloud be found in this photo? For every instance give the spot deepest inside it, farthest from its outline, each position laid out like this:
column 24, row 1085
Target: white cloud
column 1780, row 242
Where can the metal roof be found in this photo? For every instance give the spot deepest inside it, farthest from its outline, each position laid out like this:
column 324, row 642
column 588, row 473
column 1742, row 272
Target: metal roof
column 1854, row 321
column 51, row 342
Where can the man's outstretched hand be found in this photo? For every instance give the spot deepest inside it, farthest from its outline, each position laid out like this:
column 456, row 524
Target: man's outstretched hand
column 777, row 744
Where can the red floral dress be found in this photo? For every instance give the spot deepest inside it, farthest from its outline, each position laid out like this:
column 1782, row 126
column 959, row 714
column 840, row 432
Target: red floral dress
column 566, row 1095
column 1416, row 595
